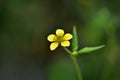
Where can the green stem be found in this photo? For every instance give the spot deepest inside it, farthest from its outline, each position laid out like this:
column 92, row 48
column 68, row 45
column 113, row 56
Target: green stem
column 75, row 63
column 77, row 67
column 67, row 50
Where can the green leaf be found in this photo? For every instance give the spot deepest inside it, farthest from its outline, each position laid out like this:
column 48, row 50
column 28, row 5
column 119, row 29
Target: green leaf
column 74, row 40
column 90, row 49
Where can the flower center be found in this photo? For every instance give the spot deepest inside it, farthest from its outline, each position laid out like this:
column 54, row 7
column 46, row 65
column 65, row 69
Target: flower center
column 59, row 38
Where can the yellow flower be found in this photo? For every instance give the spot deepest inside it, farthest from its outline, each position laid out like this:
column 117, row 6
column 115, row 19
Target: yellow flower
column 59, row 38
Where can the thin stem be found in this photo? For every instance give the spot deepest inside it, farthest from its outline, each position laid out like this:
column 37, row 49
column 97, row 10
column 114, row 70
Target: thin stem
column 77, row 68
column 67, row 50
column 75, row 63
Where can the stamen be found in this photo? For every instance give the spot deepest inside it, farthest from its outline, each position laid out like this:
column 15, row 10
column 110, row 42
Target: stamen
column 59, row 38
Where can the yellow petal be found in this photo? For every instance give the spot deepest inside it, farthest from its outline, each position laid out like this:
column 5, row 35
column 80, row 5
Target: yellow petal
column 59, row 32
column 51, row 37
column 54, row 45
column 67, row 36
column 65, row 43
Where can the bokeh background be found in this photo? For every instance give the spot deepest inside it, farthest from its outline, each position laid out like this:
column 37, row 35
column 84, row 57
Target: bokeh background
column 24, row 49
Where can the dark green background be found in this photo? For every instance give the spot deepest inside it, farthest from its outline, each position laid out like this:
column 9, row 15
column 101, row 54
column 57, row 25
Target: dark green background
column 24, row 49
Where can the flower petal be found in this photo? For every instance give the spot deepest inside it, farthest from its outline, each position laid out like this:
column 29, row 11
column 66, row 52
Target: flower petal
column 51, row 37
column 65, row 43
column 59, row 32
column 54, row 45
column 67, row 36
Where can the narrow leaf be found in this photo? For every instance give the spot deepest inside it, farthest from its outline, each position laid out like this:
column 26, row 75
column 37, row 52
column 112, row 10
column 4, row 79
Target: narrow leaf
column 74, row 40
column 90, row 49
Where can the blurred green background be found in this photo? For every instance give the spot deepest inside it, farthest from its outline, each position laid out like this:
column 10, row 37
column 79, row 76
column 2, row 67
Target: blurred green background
column 24, row 49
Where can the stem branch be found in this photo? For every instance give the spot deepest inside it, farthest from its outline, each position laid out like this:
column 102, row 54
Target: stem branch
column 75, row 63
